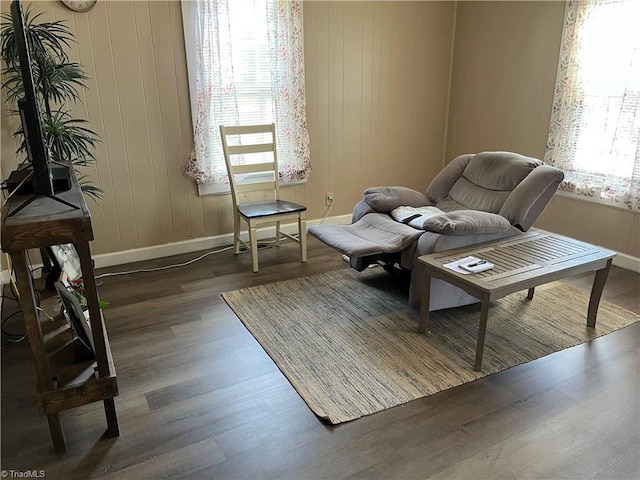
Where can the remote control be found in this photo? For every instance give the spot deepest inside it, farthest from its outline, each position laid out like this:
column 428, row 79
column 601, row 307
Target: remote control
column 477, row 266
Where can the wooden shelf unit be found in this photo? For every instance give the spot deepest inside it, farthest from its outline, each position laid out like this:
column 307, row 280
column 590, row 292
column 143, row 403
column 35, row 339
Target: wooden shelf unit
column 61, row 383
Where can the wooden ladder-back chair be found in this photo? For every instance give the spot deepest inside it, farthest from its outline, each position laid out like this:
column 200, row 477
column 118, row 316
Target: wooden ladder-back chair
column 247, row 153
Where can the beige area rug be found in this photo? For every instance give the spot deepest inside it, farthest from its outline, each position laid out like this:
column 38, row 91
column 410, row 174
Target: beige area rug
column 348, row 342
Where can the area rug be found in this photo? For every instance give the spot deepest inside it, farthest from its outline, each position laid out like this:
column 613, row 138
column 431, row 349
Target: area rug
column 348, row 341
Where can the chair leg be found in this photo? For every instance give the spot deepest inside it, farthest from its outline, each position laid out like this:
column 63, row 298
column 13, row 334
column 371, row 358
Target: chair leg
column 277, row 234
column 253, row 240
column 236, row 233
column 302, row 230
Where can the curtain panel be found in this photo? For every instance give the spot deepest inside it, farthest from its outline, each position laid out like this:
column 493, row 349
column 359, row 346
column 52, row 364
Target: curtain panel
column 217, row 101
column 595, row 124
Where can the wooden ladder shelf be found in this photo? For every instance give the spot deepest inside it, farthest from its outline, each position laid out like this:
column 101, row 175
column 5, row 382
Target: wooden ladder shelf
column 42, row 223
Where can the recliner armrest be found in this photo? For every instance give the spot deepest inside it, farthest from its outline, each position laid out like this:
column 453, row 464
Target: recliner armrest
column 527, row 201
column 467, row 222
column 360, row 210
column 385, row 199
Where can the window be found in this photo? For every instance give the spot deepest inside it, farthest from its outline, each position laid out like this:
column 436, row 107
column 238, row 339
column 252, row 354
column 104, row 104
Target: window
column 246, row 66
column 595, row 124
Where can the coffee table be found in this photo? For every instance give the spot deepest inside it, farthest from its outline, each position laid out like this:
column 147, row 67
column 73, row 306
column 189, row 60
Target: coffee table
column 521, row 262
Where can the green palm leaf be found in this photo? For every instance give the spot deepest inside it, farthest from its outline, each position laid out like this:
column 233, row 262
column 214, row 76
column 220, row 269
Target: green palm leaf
column 46, row 38
column 69, row 139
column 58, row 81
column 89, row 189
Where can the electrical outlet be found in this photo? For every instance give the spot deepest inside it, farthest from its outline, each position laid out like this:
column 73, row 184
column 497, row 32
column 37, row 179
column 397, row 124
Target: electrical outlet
column 328, row 199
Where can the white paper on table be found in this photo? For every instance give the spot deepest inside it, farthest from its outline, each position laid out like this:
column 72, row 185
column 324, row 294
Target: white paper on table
column 455, row 266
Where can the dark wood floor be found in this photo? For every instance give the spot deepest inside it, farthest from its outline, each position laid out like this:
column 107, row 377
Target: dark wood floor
column 199, row 398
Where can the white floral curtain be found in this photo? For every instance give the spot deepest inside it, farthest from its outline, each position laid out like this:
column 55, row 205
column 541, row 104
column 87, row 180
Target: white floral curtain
column 595, row 125
column 217, row 102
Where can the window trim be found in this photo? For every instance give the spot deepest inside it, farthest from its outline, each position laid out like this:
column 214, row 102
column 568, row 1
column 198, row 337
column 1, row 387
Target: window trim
column 596, row 200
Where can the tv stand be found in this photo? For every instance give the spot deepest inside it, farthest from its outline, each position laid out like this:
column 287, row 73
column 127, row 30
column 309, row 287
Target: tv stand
column 62, row 383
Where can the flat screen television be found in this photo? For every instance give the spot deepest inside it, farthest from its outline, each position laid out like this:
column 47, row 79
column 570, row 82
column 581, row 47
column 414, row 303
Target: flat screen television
column 37, row 150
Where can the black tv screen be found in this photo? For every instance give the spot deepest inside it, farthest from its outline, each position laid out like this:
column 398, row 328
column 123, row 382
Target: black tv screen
column 37, row 151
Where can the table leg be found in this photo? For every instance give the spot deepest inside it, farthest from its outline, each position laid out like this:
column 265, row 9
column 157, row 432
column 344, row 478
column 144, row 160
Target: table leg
column 530, row 293
column 113, row 430
column 596, row 292
column 57, row 434
column 425, row 295
column 484, row 313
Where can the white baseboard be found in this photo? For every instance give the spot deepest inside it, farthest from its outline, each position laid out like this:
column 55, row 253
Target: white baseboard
column 188, row 246
column 621, row 260
column 627, row 262
column 197, row 244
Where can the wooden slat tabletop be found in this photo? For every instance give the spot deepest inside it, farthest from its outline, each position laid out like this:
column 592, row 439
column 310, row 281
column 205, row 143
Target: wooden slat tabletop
column 535, row 256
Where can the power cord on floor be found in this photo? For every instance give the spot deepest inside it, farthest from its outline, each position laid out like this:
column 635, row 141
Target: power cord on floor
column 9, row 337
column 176, row 265
column 166, row 267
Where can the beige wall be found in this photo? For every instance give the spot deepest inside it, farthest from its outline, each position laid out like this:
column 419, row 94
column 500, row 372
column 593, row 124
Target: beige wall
column 376, row 73
column 377, row 92
column 137, row 100
column 505, row 59
column 375, row 76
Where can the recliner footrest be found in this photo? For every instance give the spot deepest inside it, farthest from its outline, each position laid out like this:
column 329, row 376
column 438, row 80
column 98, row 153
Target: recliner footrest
column 373, row 234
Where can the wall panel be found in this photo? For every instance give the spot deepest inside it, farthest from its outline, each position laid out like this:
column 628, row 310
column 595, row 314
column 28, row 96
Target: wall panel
column 367, row 105
column 135, row 128
column 166, row 77
column 354, row 97
column 157, row 172
column 336, row 50
column 114, row 153
column 103, row 215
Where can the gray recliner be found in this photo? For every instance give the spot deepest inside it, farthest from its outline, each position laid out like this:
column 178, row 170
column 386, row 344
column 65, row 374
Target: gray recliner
column 482, row 197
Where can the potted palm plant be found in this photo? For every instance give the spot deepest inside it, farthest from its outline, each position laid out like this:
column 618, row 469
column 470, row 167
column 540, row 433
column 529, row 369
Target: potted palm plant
column 57, row 82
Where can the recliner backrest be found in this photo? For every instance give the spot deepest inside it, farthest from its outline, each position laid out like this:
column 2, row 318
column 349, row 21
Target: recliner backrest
column 481, row 182
column 491, row 182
